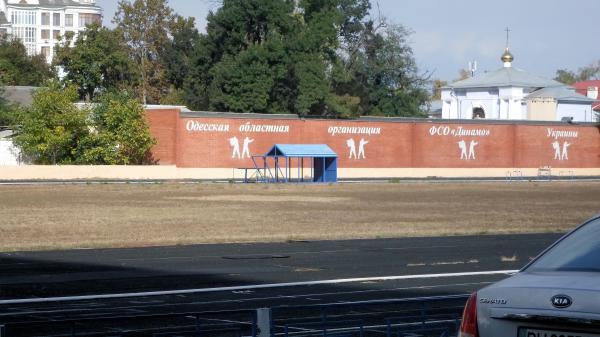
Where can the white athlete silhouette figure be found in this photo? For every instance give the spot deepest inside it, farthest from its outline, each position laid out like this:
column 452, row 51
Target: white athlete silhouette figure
column 556, row 146
column 352, row 147
column 472, row 149
column 361, row 148
column 246, row 147
column 565, row 151
column 463, row 150
column 235, row 146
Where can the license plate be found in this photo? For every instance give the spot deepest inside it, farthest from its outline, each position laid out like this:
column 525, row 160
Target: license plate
column 532, row 332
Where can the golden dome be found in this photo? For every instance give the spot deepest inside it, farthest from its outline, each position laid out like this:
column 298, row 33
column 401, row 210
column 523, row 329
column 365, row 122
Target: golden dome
column 507, row 56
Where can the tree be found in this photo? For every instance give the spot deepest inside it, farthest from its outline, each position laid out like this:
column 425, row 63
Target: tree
column 309, row 57
column 463, row 74
column 120, row 133
column 56, row 131
column 6, row 111
column 98, row 62
column 176, row 53
column 10, row 113
column 589, row 72
column 18, row 68
column 53, row 126
column 437, row 89
column 145, row 27
column 383, row 73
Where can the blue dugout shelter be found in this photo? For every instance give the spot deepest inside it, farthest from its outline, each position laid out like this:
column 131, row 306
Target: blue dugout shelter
column 318, row 159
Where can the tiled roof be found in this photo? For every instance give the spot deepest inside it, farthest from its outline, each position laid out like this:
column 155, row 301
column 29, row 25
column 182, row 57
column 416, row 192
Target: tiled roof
column 582, row 88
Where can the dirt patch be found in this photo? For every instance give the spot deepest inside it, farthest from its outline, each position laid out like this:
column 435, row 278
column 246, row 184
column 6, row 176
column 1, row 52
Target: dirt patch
column 86, row 216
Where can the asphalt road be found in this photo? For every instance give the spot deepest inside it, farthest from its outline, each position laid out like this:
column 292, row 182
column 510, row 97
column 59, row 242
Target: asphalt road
column 250, row 276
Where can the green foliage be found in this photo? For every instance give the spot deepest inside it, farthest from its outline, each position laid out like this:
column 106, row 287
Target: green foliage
column 589, row 72
column 6, row 111
column 322, row 58
column 17, row 68
column 175, row 56
column 383, row 73
column 55, row 131
column 98, row 62
column 145, row 26
column 242, row 83
column 120, row 133
column 566, row 76
column 309, row 57
column 437, row 88
column 52, row 127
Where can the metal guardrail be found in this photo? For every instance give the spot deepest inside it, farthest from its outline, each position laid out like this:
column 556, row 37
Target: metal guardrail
column 424, row 316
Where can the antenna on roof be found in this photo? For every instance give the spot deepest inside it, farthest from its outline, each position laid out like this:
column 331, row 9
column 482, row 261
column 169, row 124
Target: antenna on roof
column 472, row 67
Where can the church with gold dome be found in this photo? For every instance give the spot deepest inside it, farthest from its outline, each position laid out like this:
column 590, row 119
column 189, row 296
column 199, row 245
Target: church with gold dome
column 510, row 93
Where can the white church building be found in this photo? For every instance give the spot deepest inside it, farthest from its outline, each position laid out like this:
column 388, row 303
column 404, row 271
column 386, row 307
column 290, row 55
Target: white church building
column 513, row 94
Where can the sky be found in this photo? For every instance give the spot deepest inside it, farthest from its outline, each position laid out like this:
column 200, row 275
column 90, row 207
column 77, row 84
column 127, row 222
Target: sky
column 545, row 35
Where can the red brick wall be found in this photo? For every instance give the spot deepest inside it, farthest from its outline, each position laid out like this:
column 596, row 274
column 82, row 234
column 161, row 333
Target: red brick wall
column 163, row 126
column 210, row 142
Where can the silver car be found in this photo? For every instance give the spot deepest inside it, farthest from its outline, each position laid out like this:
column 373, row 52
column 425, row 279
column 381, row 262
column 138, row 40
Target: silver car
column 555, row 295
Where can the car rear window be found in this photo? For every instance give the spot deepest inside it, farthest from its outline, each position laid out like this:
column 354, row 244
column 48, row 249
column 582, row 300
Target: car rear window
column 580, row 251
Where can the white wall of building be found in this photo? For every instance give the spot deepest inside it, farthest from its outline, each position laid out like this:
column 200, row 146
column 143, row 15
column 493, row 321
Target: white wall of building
column 9, row 154
column 579, row 112
column 41, row 28
column 498, row 103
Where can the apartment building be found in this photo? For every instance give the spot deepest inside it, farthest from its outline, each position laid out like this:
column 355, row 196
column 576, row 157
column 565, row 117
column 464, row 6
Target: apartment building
column 40, row 24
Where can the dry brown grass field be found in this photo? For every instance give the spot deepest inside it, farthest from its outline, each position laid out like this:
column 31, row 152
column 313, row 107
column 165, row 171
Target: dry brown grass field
column 131, row 215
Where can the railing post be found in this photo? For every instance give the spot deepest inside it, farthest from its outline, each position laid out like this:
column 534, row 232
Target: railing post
column 263, row 322
column 2, row 331
column 324, row 320
column 198, row 328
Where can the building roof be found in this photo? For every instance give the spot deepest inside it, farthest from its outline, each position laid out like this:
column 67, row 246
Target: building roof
column 3, row 19
column 504, row 77
column 561, row 94
column 56, row 3
column 19, row 95
column 582, row 88
column 301, row 150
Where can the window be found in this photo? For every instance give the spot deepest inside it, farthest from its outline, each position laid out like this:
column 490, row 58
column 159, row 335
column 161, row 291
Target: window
column 69, row 20
column 45, row 19
column 27, row 35
column 87, row 19
column 23, row 18
column 56, row 19
column 46, row 52
column 580, row 251
column 56, row 34
column 45, row 34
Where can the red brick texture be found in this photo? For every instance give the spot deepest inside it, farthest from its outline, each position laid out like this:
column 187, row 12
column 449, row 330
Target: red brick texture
column 163, row 126
column 205, row 142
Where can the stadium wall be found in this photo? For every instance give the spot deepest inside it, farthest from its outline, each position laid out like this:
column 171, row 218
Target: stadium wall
column 226, row 141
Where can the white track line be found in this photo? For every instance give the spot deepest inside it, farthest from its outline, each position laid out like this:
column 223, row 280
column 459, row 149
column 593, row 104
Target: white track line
column 249, row 287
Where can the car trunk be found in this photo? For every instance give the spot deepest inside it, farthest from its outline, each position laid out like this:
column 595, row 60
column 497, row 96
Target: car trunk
column 523, row 305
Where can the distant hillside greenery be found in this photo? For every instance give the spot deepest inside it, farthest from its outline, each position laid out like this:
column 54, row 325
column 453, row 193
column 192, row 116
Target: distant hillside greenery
column 319, row 58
